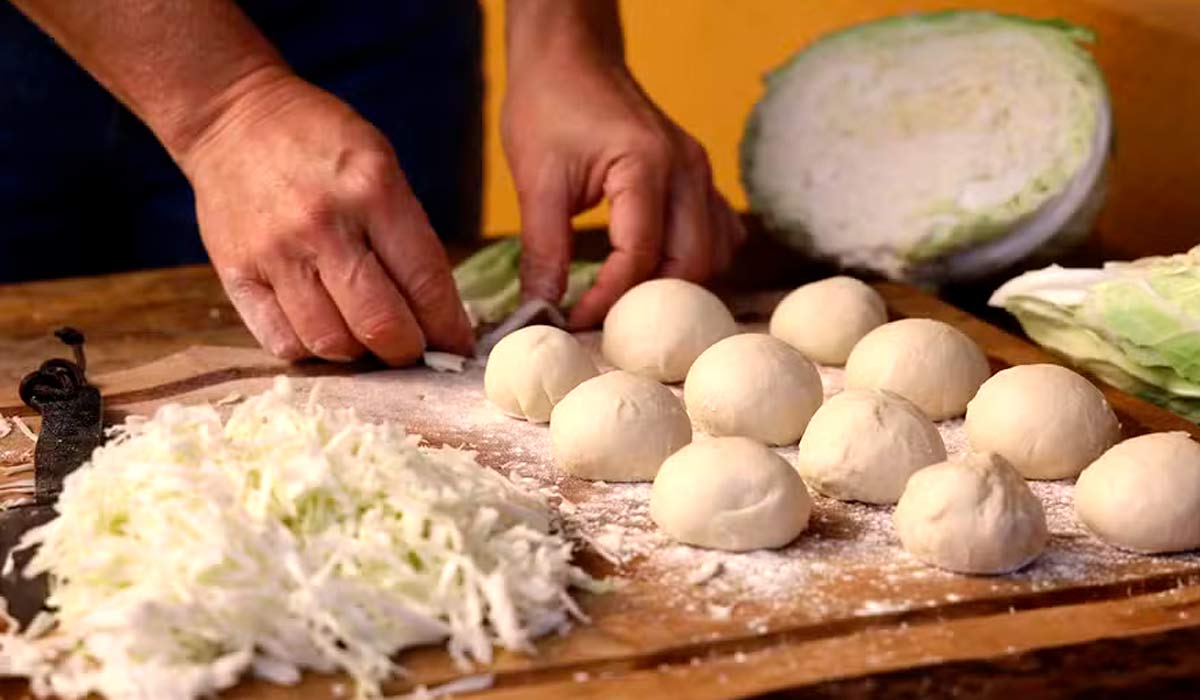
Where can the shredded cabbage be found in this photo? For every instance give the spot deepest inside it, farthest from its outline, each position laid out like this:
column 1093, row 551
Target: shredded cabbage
column 189, row 551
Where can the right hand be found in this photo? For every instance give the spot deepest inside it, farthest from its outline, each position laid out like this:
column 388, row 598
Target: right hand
column 317, row 238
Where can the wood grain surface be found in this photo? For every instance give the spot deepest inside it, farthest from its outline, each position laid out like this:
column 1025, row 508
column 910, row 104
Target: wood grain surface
column 1133, row 636
column 642, row 644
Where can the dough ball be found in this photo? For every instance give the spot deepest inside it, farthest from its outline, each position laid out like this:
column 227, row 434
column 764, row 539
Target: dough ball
column 755, row 386
column 1046, row 420
column 824, row 320
column 974, row 516
column 729, row 493
column 531, row 370
column 863, row 444
column 1144, row 494
column 617, row 427
column 658, row 328
column 932, row 364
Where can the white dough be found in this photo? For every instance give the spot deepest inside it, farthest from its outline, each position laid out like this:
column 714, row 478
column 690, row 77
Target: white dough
column 973, row 516
column 532, row 369
column 730, row 493
column 658, row 328
column 932, row 364
column 617, row 427
column 1144, row 494
column 825, row 319
column 863, row 444
column 1046, row 420
column 755, row 386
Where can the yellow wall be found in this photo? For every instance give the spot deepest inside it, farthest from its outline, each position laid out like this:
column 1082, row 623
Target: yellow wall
column 702, row 61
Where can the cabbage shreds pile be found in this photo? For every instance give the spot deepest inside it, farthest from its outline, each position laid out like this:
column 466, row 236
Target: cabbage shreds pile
column 1134, row 324
column 291, row 537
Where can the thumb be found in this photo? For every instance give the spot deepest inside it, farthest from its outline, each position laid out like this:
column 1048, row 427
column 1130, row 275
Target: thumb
column 545, row 241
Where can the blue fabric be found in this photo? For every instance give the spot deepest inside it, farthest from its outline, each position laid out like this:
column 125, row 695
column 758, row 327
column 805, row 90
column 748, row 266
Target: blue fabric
column 85, row 188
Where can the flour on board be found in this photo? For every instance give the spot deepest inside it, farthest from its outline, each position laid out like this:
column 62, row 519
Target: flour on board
column 848, row 546
column 848, row 563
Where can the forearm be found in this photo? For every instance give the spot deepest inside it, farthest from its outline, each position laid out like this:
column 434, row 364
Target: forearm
column 177, row 64
column 538, row 31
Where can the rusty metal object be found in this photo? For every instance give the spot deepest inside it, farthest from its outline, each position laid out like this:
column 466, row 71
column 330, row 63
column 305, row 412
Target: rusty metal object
column 72, row 427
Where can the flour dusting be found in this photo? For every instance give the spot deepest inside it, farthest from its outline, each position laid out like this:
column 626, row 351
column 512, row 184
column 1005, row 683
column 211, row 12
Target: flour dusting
column 848, row 563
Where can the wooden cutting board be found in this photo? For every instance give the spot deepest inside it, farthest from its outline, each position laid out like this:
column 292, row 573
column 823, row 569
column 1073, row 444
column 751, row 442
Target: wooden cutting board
column 843, row 601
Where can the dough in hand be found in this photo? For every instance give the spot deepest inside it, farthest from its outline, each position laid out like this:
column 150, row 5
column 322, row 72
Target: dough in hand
column 1046, row 420
column 932, row 364
column 863, row 444
column 617, row 427
column 753, row 385
column 825, row 319
column 729, row 493
column 1143, row 494
column 532, row 369
column 973, row 516
column 658, row 328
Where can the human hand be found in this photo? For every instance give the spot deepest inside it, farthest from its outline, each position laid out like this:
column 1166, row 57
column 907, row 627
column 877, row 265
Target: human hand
column 317, row 238
column 577, row 128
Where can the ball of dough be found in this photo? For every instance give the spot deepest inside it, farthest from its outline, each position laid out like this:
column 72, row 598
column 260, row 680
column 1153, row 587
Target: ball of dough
column 755, row 386
column 863, row 444
column 825, row 319
column 932, row 364
column 617, row 427
column 658, row 328
column 1144, row 494
column 1046, row 420
column 729, row 493
column 973, row 516
column 532, row 369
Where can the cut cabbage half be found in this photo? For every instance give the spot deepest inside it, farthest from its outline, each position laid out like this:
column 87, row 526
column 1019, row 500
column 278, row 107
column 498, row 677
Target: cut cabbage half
column 933, row 146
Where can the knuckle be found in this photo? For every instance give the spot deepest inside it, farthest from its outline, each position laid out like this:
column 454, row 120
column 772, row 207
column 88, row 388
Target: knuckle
column 272, row 245
column 368, row 175
column 655, row 147
column 240, row 285
column 356, row 274
column 314, row 213
column 379, row 324
column 313, row 231
column 429, row 289
column 393, row 337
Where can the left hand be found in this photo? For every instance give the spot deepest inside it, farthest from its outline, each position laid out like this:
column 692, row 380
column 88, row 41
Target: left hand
column 578, row 128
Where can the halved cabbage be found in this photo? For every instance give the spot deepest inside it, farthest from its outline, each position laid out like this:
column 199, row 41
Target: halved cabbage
column 932, row 146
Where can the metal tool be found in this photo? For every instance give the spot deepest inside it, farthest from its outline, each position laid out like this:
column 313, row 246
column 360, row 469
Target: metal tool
column 72, row 427
column 531, row 312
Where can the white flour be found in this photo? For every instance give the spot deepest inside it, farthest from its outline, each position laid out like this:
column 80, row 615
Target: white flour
column 848, row 563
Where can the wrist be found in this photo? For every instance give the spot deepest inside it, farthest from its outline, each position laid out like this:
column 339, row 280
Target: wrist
column 549, row 33
column 187, row 130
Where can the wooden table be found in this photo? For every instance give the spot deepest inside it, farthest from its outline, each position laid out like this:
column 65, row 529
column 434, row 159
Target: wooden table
column 131, row 319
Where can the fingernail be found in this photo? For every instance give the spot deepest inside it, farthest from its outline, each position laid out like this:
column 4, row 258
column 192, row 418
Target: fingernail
column 285, row 350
